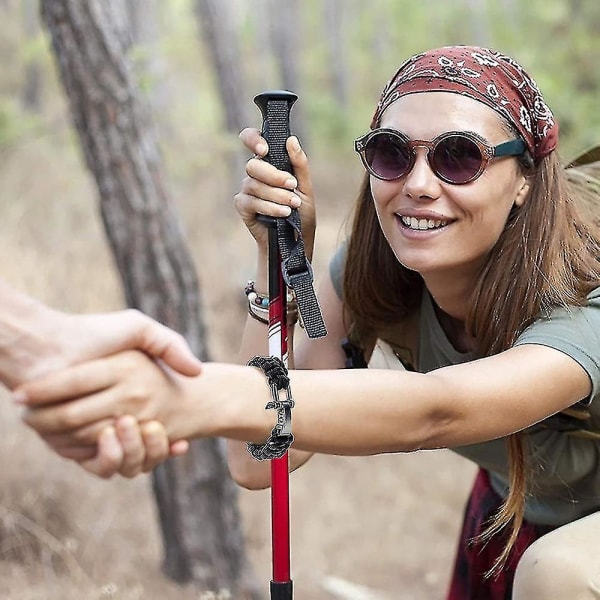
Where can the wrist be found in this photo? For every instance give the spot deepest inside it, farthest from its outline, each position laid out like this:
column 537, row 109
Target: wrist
column 234, row 411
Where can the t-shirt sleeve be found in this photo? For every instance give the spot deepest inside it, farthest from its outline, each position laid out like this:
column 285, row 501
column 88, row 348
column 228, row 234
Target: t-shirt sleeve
column 336, row 269
column 574, row 331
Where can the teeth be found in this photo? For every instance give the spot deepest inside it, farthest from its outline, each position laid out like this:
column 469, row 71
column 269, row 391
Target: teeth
column 422, row 224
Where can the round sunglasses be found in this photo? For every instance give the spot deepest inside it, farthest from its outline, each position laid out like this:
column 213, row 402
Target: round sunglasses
column 455, row 157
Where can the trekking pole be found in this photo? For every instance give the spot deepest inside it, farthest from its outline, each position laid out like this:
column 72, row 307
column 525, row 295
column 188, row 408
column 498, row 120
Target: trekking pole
column 275, row 107
column 288, row 268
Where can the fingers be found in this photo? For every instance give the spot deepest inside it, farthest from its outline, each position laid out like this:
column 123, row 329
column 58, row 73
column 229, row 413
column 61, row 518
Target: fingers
column 179, row 448
column 258, row 197
column 252, row 139
column 132, row 443
column 144, row 445
column 72, row 382
column 109, row 456
column 128, row 449
column 156, row 444
column 75, row 418
column 127, row 383
column 84, row 437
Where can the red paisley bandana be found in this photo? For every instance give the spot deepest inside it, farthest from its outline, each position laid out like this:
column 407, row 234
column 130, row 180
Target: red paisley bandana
column 484, row 75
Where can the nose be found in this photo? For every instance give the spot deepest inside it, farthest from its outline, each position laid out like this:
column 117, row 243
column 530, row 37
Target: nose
column 421, row 181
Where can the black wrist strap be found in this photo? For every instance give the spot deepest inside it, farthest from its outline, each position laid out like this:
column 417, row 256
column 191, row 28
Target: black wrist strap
column 281, row 437
column 298, row 275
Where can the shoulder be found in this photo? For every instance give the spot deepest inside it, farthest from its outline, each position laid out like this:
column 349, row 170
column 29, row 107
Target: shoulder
column 336, row 268
column 575, row 331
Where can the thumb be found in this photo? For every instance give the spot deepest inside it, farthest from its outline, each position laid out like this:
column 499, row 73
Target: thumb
column 159, row 341
column 300, row 165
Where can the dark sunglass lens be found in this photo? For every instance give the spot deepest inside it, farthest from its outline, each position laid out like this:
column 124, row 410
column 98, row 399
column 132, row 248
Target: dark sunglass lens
column 388, row 156
column 457, row 159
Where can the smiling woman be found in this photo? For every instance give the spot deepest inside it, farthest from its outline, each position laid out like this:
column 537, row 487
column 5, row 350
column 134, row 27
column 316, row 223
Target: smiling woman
column 469, row 284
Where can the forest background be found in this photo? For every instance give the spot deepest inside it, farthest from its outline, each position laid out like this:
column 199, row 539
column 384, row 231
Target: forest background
column 366, row 528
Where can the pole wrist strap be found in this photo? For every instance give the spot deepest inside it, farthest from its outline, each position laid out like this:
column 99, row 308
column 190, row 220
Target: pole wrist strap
column 281, row 437
column 298, row 274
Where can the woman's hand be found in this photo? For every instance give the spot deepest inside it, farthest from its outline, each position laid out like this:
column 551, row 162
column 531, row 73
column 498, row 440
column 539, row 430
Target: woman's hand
column 70, row 408
column 269, row 191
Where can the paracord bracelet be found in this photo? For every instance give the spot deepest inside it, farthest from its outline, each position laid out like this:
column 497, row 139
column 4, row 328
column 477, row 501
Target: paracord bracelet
column 281, row 437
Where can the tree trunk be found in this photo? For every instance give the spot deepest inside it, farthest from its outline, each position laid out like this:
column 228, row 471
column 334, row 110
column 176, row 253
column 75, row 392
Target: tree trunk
column 31, row 91
column 217, row 29
column 197, row 501
column 149, row 63
column 286, row 33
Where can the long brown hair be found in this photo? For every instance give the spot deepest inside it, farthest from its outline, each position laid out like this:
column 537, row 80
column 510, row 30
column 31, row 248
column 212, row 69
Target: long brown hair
column 546, row 257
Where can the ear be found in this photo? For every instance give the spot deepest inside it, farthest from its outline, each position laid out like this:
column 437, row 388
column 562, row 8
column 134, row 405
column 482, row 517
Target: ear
column 522, row 193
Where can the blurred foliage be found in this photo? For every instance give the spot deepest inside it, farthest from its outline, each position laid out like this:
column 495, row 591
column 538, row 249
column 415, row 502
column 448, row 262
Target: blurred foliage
column 555, row 40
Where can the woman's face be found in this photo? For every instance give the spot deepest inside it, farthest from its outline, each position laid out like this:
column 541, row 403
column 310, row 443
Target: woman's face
column 463, row 221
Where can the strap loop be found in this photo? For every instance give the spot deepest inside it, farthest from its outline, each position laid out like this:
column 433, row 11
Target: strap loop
column 298, row 274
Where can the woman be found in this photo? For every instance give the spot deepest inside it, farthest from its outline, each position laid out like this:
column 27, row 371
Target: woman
column 471, row 259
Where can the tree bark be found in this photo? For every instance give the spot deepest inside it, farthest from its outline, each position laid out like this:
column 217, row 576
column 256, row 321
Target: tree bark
column 196, row 499
column 286, row 33
column 149, row 64
column 32, row 84
column 219, row 33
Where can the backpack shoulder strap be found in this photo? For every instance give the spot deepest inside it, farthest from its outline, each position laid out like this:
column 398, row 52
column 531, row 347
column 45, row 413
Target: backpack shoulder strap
column 402, row 338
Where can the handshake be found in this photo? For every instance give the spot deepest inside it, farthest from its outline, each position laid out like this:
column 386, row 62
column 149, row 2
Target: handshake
column 69, row 372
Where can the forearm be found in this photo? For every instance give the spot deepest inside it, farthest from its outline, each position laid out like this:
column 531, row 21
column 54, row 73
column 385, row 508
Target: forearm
column 369, row 411
column 336, row 412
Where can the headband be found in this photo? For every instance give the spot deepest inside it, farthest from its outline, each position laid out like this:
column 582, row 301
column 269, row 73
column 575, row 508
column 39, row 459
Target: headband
column 484, row 75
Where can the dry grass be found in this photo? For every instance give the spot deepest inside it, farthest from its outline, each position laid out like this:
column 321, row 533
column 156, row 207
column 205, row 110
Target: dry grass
column 387, row 523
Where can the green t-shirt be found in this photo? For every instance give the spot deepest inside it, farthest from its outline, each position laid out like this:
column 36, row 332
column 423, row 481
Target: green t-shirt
column 565, row 478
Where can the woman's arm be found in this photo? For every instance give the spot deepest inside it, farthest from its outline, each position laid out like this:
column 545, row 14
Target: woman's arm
column 351, row 412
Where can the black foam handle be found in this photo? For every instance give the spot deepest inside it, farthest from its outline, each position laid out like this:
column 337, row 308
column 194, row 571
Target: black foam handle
column 275, row 107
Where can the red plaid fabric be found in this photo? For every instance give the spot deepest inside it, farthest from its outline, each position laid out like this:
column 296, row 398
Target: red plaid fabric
column 474, row 560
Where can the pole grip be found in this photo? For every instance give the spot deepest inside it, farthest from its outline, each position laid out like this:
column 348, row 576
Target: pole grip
column 275, row 107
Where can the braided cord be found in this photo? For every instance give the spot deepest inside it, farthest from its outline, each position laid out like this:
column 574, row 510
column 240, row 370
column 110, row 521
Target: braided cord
column 281, row 437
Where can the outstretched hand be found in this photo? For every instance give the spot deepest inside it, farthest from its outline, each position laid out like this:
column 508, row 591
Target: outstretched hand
column 77, row 413
column 70, row 408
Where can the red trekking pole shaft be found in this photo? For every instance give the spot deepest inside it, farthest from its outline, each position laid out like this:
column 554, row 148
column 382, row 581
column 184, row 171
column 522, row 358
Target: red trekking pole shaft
column 275, row 107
